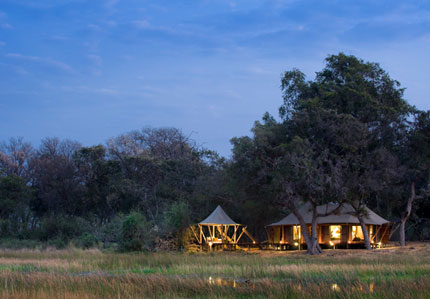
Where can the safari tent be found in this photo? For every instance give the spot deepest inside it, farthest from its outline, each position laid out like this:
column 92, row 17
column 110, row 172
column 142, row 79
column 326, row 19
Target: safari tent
column 219, row 231
column 341, row 229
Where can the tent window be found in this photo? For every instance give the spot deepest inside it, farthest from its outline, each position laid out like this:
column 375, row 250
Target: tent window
column 357, row 233
column 296, row 232
column 335, row 232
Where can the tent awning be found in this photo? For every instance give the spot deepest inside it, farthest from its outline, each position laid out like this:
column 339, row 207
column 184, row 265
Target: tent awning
column 218, row 217
column 345, row 215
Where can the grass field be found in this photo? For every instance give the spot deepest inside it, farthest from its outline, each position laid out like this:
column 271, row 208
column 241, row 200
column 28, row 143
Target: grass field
column 383, row 273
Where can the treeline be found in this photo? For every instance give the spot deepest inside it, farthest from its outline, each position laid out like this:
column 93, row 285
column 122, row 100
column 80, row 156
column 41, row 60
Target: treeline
column 138, row 191
column 348, row 136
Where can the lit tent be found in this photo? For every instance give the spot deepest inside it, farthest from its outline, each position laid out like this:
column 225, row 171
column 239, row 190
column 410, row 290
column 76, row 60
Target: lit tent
column 219, row 230
column 341, row 227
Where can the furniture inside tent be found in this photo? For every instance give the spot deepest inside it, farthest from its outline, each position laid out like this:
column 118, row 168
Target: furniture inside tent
column 219, row 231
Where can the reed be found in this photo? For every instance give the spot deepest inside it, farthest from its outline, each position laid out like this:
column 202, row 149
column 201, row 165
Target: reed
column 73, row 273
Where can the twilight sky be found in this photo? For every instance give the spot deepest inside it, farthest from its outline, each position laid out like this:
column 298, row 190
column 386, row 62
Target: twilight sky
column 88, row 70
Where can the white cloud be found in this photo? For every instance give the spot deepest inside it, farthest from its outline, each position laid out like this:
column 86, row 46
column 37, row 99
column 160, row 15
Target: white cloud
column 47, row 61
column 86, row 89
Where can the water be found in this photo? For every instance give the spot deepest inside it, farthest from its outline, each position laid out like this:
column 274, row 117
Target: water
column 337, row 288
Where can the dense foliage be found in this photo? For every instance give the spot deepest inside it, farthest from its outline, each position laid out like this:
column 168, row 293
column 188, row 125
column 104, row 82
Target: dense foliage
column 347, row 136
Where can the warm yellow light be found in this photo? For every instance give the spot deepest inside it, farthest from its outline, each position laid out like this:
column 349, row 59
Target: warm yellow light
column 349, row 242
column 253, row 242
column 335, row 232
column 210, row 243
column 282, row 242
column 296, row 244
column 331, row 243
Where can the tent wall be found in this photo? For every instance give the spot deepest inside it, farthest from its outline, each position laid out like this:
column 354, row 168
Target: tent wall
column 345, row 234
column 325, row 234
column 289, row 234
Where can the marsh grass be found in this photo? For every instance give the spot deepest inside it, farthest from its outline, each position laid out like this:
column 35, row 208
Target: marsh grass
column 74, row 273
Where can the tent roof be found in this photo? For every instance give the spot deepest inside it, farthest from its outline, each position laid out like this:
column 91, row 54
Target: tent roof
column 345, row 215
column 218, row 216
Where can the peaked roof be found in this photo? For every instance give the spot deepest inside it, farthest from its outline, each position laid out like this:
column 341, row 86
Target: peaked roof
column 218, row 216
column 345, row 215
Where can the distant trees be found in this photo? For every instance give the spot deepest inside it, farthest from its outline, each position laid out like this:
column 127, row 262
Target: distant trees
column 65, row 191
column 348, row 136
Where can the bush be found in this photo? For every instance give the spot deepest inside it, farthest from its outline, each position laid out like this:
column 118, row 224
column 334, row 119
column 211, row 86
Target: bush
column 110, row 233
column 177, row 217
column 134, row 229
column 63, row 228
column 177, row 222
column 87, row 240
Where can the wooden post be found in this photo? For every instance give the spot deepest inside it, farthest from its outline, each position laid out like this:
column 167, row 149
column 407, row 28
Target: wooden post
column 222, row 239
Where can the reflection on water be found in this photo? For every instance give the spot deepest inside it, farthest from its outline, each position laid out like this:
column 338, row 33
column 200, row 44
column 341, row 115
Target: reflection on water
column 230, row 282
column 218, row 281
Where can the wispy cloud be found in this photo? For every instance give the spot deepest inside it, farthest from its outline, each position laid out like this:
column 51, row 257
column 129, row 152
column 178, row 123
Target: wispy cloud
column 16, row 69
column 141, row 24
column 96, row 64
column 86, row 89
column 6, row 26
column 110, row 6
column 47, row 61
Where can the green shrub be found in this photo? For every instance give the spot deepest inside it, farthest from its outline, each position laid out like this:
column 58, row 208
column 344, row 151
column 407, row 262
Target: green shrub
column 177, row 217
column 134, row 229
column 63, row 228
column 177, row 222
column 110, row 233
column 87, row 240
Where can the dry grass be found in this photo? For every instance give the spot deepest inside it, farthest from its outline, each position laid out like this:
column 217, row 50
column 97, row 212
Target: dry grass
column 385, row 273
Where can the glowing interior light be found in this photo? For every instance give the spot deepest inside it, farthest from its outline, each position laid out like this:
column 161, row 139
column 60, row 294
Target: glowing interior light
column 331, row 243
column 357, row 233
column 296, row 244
column 335, row 232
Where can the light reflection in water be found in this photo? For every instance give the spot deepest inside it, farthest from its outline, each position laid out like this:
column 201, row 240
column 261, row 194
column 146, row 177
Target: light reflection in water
column 219, row 281
column 229, row 282
column 371, row 287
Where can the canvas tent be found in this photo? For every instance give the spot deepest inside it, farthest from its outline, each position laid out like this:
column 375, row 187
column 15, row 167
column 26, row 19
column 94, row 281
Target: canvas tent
column 218, row 230
column 340, row 228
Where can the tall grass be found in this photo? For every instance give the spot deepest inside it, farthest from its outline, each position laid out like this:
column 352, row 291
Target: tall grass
column 73, row 273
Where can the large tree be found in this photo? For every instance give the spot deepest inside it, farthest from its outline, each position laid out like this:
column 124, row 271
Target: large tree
column 364, row 91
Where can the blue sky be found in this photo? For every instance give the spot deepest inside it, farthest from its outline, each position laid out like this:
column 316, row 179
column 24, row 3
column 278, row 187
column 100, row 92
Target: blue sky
column 88, row 70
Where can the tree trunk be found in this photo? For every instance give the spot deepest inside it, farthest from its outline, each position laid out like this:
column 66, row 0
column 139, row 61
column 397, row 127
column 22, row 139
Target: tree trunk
column 406, row 215
column 316, row 249
column 402, row 233
column 311, row 249
column 365, row 233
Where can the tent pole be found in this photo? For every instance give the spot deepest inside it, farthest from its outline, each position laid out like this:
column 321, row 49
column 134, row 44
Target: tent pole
column 222, row 239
